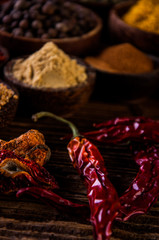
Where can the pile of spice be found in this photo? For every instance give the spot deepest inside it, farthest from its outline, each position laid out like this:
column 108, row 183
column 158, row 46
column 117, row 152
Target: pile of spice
column 44, row 19
column 144, row 15
column 6, row 94
column 122, row 58
column 49, row 67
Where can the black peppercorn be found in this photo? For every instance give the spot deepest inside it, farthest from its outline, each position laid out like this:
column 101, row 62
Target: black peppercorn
column 37, row 24
column 7, row 19
column 28, row 34
column 48, row 8
column 45, row 36
column 24, row 24
column 44, row 18
column 52, row 33
column 16, row 15
column 17, row 32
column 20, row 4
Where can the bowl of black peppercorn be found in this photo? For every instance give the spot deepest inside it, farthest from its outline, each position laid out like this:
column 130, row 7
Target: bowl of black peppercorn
column 25, row 26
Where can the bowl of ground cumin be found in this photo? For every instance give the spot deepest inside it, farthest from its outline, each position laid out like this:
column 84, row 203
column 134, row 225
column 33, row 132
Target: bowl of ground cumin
column 136, row 22
column 51, row 80
column 8, row 103
column 25, row 26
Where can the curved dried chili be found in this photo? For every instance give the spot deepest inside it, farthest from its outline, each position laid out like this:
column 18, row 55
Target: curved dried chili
column 144, row 190
column 26, row 176
column 103, row 199
column 125, row 129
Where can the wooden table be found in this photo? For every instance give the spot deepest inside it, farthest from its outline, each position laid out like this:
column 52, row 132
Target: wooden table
column 28, row 218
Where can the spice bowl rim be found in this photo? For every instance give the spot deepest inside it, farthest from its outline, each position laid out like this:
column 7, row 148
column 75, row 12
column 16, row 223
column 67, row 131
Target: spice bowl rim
column 62, row 101
column 89, row 71
column 64, row 43
column 8, row 111
column 155, row 61
column 124, row 6
column 118, row 87
column 120, row 31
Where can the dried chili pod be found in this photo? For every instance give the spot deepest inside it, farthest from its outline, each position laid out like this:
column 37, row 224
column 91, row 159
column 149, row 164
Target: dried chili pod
column 26, row 176
column 48, row 197
column 125, row 129
column 103, row 199
column 30, row 145
column 144, row 190
column 17, row 172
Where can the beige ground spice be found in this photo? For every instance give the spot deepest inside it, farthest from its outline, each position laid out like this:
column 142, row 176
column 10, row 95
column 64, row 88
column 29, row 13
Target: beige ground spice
column 49, row 67
column 6, row 94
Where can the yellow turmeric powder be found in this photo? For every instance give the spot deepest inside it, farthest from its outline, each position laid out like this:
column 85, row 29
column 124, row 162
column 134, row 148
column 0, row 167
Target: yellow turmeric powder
column 144, row 15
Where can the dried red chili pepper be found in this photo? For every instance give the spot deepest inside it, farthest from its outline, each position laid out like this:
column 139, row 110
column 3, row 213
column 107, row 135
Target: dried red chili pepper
column 21, row 173
column 102, row 196
column 26, row 176
column 125, row 129
column 144, row 190
column 29, row 145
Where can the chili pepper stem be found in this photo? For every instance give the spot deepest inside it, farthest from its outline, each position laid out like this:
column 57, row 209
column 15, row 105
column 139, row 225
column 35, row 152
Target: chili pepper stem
column 39, row 115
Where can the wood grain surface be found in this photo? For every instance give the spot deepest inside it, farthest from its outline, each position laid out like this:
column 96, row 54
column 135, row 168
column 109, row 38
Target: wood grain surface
column 28, row 218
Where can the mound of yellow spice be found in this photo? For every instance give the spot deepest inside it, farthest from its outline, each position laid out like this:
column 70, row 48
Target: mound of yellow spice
column 6, row 94
column 144, row 15
column 121, row 58
column 49, row 67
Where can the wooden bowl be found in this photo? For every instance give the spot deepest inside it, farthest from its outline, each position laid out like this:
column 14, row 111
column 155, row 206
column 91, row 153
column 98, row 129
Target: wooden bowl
column 122, row 32
column 8, row 111
column 60, row 101
column 77, row 46
column 120, row 87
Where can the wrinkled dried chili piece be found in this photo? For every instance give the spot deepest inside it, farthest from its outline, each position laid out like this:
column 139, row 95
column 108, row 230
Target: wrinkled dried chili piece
column 102, row 196
column 103, row 199
column 125, row 129
column 30, row 145
column 48, row 197
column 26, row 176
column 144, row 190
column 21, row 173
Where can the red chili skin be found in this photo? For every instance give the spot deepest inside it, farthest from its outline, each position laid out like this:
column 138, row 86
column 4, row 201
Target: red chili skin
column 125, row 129
column 35, row 175
column 36, row 181
column 144, row 190
column 103, row 199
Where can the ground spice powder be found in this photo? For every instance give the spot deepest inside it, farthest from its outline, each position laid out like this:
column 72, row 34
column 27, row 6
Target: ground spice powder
column 122, row 58
column 5, row 95
column 144, row 15
column 49, row 67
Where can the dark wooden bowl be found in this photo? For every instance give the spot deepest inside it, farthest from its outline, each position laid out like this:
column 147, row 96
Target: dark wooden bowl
column 118, row 87
column 77, row 46
column 60, row 101
column 122, row 32
column 8, row 111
